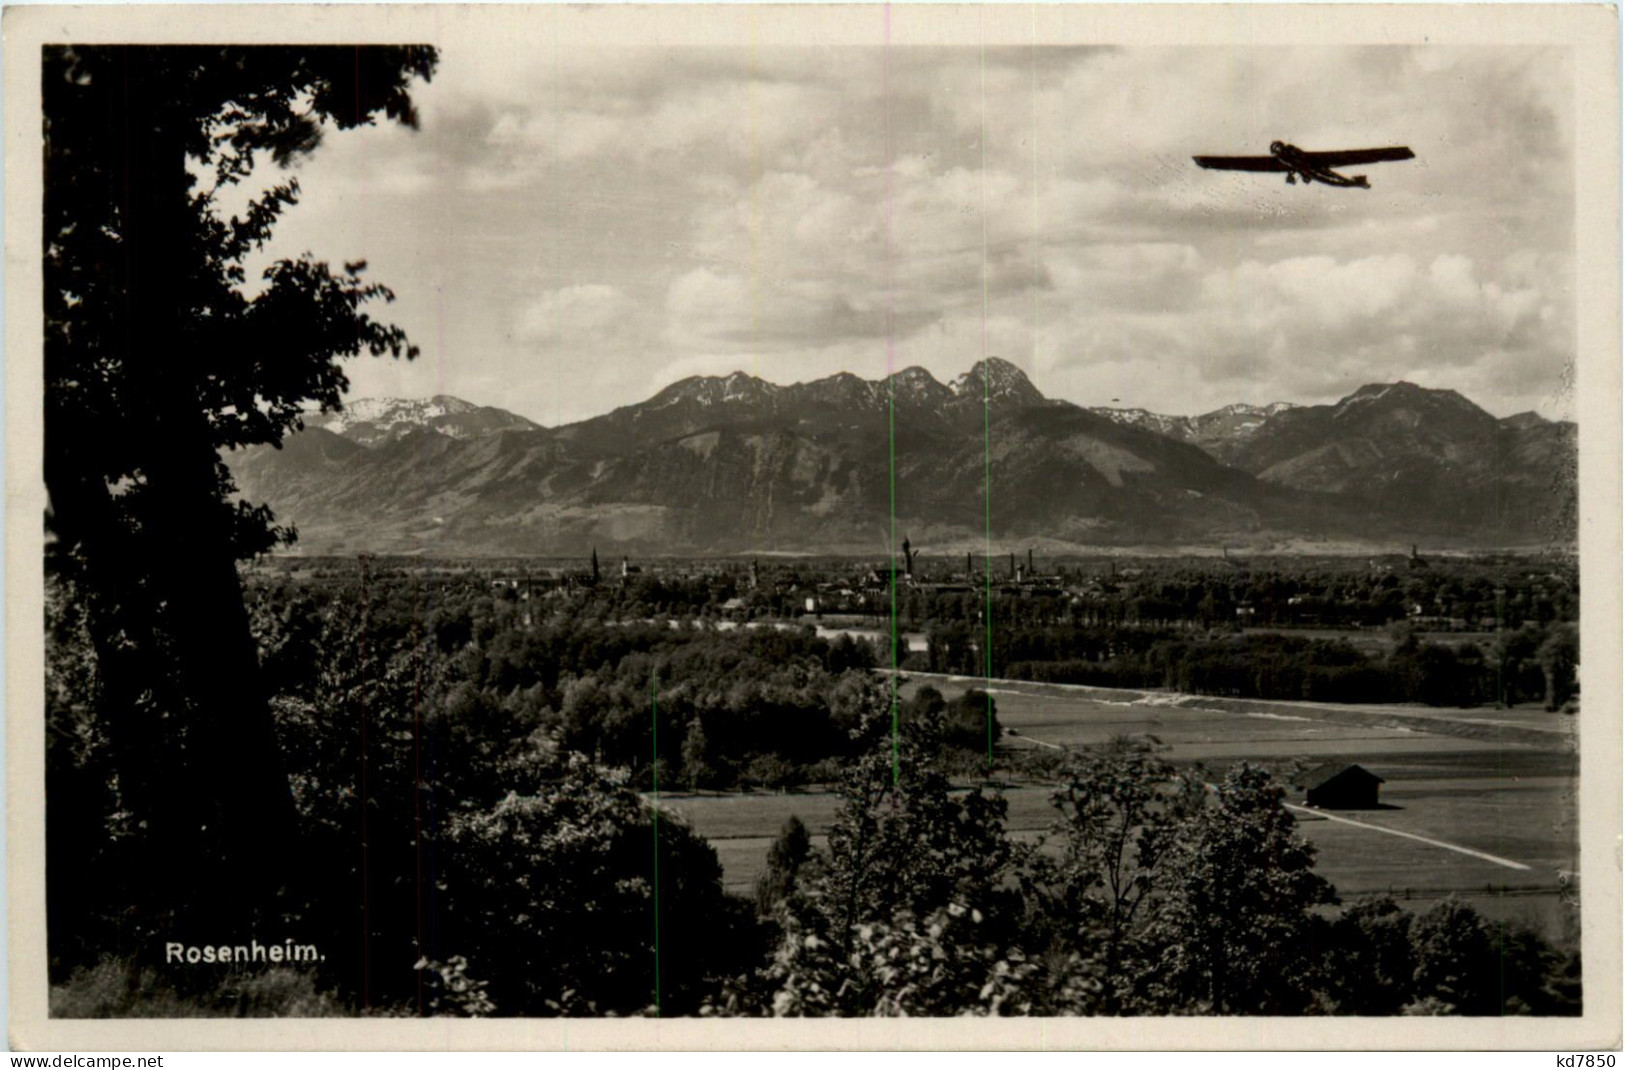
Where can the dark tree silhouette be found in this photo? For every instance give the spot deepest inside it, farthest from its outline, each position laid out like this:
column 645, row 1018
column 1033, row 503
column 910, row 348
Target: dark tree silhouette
column 154, row 360
column 785, row 858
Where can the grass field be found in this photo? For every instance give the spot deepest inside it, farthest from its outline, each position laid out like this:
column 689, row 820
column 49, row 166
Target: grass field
column 1513, row 800
column 1084, row 711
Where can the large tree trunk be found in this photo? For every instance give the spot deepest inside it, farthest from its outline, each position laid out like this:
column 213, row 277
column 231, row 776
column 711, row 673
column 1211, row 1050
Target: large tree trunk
column 230, row 783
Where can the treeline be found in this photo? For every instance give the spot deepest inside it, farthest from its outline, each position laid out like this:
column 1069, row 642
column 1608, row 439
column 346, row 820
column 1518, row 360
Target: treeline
column 1449, row 593
column 1536, row 663
column 682, row 704
column 1462, row 594
column 686, row 705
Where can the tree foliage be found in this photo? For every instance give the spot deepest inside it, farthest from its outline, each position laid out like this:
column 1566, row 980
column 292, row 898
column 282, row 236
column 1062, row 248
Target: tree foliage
column 789, row 852
column 1236, row 921
column 909, row 865
column 156, row 358
column 1120, row 813
column 128, row 132
column 555, row 898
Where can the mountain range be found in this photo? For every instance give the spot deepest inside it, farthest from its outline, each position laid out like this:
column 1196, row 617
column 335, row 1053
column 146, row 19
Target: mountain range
column 736, row 463
column 1220, row 432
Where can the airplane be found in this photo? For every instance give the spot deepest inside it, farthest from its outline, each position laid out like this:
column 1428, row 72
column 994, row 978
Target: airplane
column 1309, row 166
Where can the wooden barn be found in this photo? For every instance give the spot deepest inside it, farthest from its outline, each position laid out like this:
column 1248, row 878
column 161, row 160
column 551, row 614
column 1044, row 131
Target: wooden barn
column 1340, row 786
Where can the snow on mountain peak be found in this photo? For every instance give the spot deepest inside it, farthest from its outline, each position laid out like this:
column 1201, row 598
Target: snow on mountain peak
column 390, row 410
column 1406, row 393
column 996, row 378
column 1243, row 408
column 372, row 420
column 739, row 387
column 914, row 377
column 707, row 390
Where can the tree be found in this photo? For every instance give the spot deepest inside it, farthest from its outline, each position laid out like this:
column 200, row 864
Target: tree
column 696, row 755
column 1559, row 655
column 866, row 929
column 552, row 900
column 1235, row 926
column 1456, row 967
column 1121, row 810
column 926, row 704
column 1372, row 963
column 1466, row 964
column 155, row 360
column 1517, row 671
column 784, row 861
column 973, row 723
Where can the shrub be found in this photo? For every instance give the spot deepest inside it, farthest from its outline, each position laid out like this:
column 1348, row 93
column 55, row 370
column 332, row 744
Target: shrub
column 119, row 988
column 555, row 897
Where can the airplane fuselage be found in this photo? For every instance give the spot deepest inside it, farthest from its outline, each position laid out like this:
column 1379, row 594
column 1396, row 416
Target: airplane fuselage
column 1297, row 165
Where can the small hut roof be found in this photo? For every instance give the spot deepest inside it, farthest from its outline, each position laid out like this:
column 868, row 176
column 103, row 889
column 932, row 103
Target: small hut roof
column 1329, row 771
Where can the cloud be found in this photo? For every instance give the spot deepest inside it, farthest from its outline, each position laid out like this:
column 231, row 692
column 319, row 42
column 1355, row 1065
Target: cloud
column 616, row 215
column 1135, row 275
column 1314, row 328
column 745, row 313
column 588, row 313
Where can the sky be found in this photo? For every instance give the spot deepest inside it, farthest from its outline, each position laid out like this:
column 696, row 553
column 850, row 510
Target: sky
column 569, row 231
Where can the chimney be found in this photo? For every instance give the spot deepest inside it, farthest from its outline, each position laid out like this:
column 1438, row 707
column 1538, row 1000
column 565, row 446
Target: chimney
column 1029, row 562
column 1012, row 564
column 969, row 572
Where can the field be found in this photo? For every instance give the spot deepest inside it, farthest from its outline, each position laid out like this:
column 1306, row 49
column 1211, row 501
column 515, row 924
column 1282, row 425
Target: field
column 1479, row 803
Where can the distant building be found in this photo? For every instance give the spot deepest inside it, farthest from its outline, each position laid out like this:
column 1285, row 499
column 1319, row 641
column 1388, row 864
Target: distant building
column 1340, row 786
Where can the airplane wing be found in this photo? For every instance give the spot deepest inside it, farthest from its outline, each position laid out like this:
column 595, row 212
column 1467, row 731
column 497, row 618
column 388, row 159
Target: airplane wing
column 1356, row 157
column 1239, row 163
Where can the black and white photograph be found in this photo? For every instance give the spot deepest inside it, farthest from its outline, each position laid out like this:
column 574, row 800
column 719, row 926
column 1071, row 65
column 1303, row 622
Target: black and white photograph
column 906, row 512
